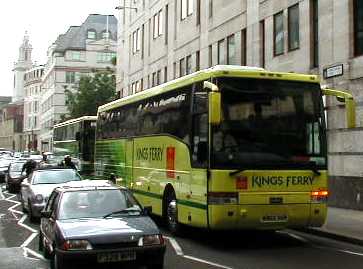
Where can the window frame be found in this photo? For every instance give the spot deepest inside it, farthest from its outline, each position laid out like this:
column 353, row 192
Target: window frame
column 229, row 38
column 281, row 13
column 221, row 51
column 290, row 26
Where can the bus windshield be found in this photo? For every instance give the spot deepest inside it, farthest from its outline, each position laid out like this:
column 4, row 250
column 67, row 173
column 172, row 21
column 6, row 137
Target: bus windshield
column 268, row 122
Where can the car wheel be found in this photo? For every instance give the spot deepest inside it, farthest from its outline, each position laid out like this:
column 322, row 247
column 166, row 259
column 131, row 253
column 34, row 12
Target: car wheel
column 30, row 213
column 10, row 188
column 22, row 203
column 172, row 215
column 157, row 265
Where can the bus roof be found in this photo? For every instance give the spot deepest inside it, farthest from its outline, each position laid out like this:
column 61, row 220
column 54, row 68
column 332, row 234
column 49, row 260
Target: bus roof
column 72, row 121
column 216, row 71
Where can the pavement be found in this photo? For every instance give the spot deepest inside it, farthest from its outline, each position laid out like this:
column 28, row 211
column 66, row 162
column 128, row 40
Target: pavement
column 342, row 224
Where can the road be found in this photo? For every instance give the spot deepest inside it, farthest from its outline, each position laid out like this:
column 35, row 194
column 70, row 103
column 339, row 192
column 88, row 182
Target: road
column 195, row 249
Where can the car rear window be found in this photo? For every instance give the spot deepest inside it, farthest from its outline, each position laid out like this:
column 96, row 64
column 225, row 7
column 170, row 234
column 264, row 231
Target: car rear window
column 55, row 176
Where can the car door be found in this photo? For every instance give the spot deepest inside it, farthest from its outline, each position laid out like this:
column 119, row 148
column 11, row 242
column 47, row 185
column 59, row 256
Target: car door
column 48, row 224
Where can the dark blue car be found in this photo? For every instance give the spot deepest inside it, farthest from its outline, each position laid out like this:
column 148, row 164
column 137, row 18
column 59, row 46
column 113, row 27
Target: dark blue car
column 98, row 226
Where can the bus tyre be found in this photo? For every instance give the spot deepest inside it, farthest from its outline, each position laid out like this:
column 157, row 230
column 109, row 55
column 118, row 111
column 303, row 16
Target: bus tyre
column 172, row 215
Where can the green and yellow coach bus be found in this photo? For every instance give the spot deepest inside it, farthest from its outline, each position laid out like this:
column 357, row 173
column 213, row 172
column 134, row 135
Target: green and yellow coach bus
column 76, row 137
column 229, row 147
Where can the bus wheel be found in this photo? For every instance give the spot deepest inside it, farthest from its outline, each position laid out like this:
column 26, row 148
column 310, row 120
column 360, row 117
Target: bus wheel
column 172, row 215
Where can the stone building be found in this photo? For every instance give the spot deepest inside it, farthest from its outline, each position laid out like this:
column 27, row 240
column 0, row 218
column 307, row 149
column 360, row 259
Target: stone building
column 159, row 40
column 80, row 51
column 32, row 93
column 11, row 126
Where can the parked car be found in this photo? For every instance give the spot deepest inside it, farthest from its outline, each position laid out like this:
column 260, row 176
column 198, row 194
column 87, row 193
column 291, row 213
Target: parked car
column 98, row 225
column 14, row 176
column 4, row 167
column 35, row 190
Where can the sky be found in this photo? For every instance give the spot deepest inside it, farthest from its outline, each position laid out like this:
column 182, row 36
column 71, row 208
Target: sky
column 44, row 20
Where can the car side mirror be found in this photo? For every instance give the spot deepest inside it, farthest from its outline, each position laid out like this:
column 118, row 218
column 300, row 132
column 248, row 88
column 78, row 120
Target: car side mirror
column 147, row 210
column 45, row 214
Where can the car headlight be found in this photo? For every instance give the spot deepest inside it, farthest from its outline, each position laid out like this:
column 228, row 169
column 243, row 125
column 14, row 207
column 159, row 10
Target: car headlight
column 147, row 240
column 38, row 198
column 77, row 245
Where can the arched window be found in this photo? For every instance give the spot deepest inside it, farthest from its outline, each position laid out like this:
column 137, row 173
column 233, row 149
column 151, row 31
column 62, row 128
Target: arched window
column 91, row 34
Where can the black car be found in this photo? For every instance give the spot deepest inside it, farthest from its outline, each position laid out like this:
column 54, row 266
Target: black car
column 98, row 226
column 14, row 177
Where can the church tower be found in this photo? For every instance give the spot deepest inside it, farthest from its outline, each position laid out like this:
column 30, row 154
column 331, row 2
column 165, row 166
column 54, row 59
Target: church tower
column 24, row 62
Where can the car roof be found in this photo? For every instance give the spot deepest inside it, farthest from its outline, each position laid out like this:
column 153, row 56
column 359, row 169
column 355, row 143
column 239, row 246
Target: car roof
column 54, row 168
column 88, row 185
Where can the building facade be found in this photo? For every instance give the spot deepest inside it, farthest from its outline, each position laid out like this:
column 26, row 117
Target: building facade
column 160, row 40
column 11, row 126
column 32, row 94
column 80, row 51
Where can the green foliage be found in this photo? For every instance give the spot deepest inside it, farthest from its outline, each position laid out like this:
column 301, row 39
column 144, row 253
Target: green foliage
column 92, row 92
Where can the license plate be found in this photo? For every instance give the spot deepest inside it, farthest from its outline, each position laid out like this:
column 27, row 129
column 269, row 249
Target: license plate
column 274, row 218
column 116, row 257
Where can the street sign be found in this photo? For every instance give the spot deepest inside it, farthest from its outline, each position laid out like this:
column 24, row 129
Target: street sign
column 333, row 71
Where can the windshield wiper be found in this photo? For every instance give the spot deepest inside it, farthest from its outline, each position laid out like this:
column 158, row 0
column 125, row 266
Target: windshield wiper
column 126, row 210
column 310, row 165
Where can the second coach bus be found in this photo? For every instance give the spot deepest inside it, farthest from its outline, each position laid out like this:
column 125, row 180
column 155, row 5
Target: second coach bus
column 224, row 148
column 76, row 137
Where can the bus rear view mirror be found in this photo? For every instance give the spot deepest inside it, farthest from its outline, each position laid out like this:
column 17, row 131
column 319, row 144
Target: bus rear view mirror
column 214, row 100
column 348, row 101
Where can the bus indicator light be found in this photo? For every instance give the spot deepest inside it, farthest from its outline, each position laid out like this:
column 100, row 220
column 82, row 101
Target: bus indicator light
column 241, row 183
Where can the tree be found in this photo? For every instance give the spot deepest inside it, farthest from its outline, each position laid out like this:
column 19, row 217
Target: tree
column 92, row 92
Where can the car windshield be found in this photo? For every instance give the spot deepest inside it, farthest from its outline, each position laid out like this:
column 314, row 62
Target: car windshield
column 16, row 167
column 97, row 204
column 55, row 176
column 267, row 122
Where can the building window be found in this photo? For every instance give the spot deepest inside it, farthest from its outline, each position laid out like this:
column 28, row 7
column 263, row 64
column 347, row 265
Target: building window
column 158, row 77
column 182, row 67
column 293, row 27
column 187, row 7
column 231, row 50
column 189, row 64
column 165, row 74
column 210, row 55
column 91, row 34
column 262, row 43
column 75, row 55
column 197, row 61
column 105, row 57
column 358, row 27
column 154, row 79
column 314, row 32
column 70, row 77
column 278, row 33
column 158, row 24
column 198, row 12
column 243, row 47
column 106, row 35
column 136, row 41
column 221, row 52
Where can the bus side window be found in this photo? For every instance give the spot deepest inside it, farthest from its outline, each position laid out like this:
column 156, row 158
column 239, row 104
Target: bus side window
column 200, row 127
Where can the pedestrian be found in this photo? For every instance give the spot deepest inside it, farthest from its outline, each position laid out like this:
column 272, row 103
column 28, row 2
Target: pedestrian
column 67, row 162
column 29, row 166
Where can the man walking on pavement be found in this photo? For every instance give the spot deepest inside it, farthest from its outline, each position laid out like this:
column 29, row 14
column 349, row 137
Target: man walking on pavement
column 29, row 167
column 67, row 162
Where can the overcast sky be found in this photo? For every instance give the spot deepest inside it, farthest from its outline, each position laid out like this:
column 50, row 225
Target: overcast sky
column 44, row 20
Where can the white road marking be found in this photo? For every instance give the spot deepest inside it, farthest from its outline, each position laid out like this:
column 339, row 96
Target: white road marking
column 34, row 233
column 206, row 262
column 302, row 239
column 351, row 252
column 340, row 250
column 34, row 253
column 175, row 245
column 179, row 252
column 2, row 197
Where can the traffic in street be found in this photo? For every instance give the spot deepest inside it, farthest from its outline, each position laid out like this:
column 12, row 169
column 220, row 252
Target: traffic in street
column 193, row 249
